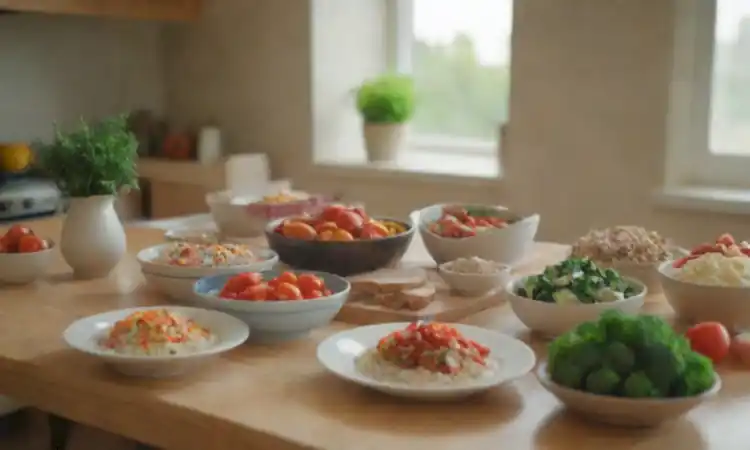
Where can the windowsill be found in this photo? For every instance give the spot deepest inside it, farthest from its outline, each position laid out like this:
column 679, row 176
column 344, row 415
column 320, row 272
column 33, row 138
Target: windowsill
column 422, row 166
column 705, row 199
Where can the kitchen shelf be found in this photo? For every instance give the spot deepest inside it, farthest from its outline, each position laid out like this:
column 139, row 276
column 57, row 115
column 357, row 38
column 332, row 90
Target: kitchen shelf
column 190, row 173
column 167, row 10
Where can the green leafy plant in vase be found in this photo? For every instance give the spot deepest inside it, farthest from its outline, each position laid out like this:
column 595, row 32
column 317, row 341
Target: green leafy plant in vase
column 91, row 164
column 386, row 104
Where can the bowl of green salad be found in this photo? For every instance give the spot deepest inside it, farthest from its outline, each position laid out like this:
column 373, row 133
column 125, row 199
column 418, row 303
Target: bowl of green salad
column 572, row 292
column 625, row 370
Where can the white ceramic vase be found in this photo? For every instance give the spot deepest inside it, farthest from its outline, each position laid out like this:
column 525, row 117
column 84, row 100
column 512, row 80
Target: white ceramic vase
column 93, row 239
column 383, row 141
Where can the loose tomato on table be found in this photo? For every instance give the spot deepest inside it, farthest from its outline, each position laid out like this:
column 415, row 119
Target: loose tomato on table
column 710, row 339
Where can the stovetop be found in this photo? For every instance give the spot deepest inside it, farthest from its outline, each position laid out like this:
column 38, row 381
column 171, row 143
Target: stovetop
column 27, row 197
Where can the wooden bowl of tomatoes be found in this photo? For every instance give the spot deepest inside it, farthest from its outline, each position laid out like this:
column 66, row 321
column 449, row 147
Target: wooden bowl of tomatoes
column 278, row 305
column 24, row 256
column 341, row 240
column 494, row 233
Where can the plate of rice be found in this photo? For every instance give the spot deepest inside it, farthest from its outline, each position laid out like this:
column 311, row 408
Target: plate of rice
column 426, row 360
column 156, row 341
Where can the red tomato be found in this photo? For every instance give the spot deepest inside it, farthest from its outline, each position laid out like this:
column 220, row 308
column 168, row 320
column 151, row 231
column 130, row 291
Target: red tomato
column 310, row 295
column 287, row 277
column 726, row 239
column 327, row 292
column 331, row 212
column 31, row 244
column 349, row 221
column 298, row 230
column 14, row 234
column 288, row 291
column 239, row 283
column 325, row 226
column 258, row 292
column 710, row 339
column 308, row 282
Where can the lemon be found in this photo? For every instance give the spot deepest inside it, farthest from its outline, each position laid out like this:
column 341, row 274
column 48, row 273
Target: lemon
column 15, row 157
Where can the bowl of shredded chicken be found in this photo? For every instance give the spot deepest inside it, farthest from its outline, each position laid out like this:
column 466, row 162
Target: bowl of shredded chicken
column 633, row 251
column 157, row 332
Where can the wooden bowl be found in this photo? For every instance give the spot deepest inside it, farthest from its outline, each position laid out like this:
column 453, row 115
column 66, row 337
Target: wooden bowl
column 341, row 258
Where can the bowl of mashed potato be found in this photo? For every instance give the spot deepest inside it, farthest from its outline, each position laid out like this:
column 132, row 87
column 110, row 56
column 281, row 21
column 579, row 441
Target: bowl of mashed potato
column 713, row 286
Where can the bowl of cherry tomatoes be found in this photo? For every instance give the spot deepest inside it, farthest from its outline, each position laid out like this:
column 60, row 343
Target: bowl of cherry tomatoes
column 24, row 256
column 489, row 232
column 341, row 239
column 278, row 305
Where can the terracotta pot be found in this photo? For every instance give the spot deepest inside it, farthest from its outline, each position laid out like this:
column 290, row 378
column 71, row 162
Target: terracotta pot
column 383, row 141
column 93, row 239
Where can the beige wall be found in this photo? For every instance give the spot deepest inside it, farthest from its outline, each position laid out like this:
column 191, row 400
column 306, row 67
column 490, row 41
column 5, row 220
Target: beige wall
column 56, row 68
column 589, row 97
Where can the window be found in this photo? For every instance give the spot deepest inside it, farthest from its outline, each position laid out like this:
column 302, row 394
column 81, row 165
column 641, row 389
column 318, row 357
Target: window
column 709, row 140
column 458, row 52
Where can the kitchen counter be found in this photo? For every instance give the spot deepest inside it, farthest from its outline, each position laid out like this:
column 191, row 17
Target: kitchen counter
column 278, row 397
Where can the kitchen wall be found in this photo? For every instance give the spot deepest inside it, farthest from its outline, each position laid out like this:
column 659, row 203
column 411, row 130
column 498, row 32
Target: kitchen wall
column 59, row 68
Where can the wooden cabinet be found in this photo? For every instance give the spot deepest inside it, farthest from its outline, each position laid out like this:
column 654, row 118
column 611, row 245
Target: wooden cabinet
column 170, row 10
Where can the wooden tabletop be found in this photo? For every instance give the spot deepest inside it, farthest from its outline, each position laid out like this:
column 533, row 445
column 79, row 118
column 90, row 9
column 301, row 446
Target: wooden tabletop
column 278, row 397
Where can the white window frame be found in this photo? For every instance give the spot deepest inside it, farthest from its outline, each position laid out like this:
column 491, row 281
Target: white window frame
column 689, row 158
column 400, row 35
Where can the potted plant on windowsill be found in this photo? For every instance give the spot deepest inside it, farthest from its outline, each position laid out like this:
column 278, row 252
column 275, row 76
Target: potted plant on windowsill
column 91, row 165
column 386, row 104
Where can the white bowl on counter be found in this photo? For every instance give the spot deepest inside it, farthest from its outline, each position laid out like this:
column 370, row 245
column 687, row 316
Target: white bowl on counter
column 84, row 335
column 620, row 411
column 148, row 259
column 179, row 290
column 505, row 245
column 551, row 319
column 24, row 268
column 695, row 303
column 474, row 284
column 276, row 321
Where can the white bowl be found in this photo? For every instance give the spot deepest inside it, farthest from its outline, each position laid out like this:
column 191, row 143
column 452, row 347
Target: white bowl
column 84, row 334
column 647, row 412
column 148, row 256
column 474, row 284
column 176, row 289
column 338, row 354
column 24, row 268
column 694, row 303
column 276, row 321
column 507, row 245
column 551, row 319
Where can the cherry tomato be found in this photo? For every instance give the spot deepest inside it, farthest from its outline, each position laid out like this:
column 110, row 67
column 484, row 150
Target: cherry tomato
column 287, row 277
column 310, row 295
column 239, row 283
column 349, row 221
column 341, row 235
column 331, row 212
column 710, row 339
column 258, row 292
column 325, row 226
column 30, row 244
column 14, row 234
column 308, row 282
column 298, row 230
column 288, row 291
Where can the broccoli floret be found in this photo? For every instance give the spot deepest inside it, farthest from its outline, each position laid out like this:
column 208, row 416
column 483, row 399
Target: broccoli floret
column 661, row 365
column 638, row 385
column 698, row 376
column 619, row 357
column 568, row 375
column 603, row 381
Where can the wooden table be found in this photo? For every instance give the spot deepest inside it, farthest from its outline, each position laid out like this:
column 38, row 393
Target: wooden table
column 278, row 397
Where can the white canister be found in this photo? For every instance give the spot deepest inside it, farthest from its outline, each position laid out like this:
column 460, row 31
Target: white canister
column 209, row 145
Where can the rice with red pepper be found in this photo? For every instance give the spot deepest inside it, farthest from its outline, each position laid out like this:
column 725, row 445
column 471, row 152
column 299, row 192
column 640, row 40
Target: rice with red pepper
column 186, row 254
column 157, row 332
column 424, row 354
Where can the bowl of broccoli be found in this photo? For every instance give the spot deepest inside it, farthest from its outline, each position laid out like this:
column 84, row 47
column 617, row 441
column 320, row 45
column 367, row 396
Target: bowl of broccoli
column 572, row 292
column 627, row 370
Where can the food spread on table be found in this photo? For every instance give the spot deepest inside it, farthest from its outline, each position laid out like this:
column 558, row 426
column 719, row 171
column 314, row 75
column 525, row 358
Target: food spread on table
column 284, row 197
column 629, row 356
column 188, row 254
column 288, row 286
column 460, row 222
column 473, row 266
column 157, row 332
column 622, row 244
column 21, row 239
column 424, row 354
column 724, row 263
column 576, row 281
column 339, row 223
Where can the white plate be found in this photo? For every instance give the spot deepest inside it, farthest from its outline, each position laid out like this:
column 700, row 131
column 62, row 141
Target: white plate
column 84, row 334
column 147, row 257
column 339, row 352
